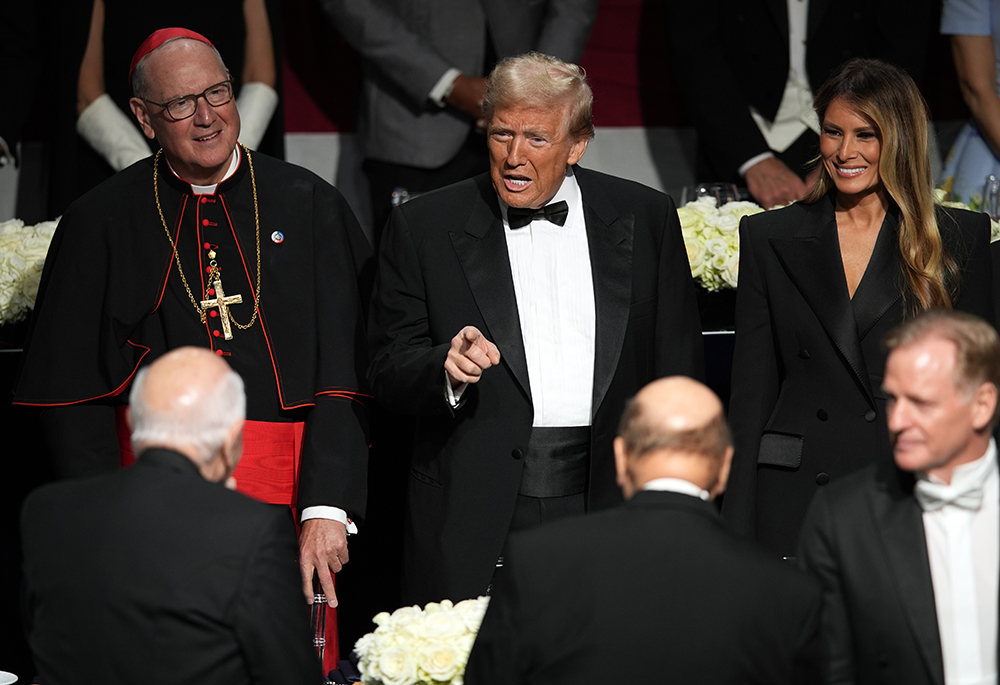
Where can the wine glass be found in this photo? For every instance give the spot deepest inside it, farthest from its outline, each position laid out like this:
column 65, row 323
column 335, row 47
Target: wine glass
column 991, row 197
column 722, row 192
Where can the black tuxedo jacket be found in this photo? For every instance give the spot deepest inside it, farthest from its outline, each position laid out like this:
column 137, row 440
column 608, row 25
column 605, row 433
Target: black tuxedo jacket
column 665, row 595
column 154, row 575
column 443, row 266
column 729, row 55
column 864, row 539
column 807, row 403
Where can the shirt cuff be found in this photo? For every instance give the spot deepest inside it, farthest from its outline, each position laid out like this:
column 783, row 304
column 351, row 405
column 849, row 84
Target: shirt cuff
column 442, row 88
column 754, row 160
column 453, row 395
column 330, row 513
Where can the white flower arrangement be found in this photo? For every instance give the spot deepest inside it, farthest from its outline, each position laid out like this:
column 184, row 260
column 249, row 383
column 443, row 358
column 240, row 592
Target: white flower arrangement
column 414, row 646
column 22, row 256
column 941, row 198
column 712, row 238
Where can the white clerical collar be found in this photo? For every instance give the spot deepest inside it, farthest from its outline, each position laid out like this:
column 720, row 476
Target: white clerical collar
column 234, row 163
column 685, row 487
column 971, row 474
column 569, row 191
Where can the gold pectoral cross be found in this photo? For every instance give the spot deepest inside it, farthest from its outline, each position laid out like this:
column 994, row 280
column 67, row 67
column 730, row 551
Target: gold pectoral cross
column 222, row 302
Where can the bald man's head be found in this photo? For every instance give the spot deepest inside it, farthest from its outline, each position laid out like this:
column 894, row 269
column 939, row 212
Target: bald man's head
column 673, row 428
column 189, row 401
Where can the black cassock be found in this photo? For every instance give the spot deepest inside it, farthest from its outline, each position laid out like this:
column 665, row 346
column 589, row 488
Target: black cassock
column 111, row 299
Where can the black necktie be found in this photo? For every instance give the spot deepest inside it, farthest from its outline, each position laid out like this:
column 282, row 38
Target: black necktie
column 519, row 217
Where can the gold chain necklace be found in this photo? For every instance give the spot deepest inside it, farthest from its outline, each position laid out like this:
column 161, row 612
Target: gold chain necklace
column 214, row 273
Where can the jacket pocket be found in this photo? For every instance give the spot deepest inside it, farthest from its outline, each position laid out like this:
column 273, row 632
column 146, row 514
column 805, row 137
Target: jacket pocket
column 780, row 449
column 425, row 479
column 637, row 310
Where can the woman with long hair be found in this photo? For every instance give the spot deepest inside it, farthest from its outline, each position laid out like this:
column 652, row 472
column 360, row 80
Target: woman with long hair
column 822, row 281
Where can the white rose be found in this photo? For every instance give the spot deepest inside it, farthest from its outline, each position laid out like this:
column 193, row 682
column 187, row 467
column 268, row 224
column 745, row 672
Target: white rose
column 731, row 271
column 365, row 644
column 30, row 287
column 405, row 616
column 440, row 660
column 716, row 246
column 443, row 624
column 690, row 219
column 740, row 208
column 472, row 612
column 727, row 223
column 396, row 667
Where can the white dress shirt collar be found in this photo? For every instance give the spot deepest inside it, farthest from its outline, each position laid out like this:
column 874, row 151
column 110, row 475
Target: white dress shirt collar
column 569, row 191
column 685, row 487
column 234, row 163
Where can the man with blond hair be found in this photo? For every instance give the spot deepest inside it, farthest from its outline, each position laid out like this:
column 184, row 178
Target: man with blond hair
column 909, row 552
column 513, row 315
column 670, row 595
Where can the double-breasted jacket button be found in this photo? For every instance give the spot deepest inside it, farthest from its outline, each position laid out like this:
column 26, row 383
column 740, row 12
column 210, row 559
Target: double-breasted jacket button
column 517, row 453
column 870, row 415
column 822, row 415
column 822, row 478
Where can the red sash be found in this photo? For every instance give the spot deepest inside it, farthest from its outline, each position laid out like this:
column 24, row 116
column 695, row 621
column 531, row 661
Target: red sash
column 269, row 468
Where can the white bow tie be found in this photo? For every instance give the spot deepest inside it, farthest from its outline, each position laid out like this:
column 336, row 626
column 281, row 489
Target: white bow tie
column 933, row 496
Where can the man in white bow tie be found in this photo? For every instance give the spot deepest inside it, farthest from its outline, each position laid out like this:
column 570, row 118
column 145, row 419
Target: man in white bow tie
column 908, row 552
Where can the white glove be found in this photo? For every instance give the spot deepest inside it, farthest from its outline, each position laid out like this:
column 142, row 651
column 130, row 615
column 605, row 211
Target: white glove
column 256, row 104
column 110, row 131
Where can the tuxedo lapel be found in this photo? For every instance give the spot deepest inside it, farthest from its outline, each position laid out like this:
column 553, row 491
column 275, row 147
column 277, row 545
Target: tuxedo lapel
column 482, row 251
column 899, row 523
column 779, row 11
column 879, row 287
column 609, row 237
column 812, row 262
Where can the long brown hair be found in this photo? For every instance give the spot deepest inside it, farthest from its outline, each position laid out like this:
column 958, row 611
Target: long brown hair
column 888, row 96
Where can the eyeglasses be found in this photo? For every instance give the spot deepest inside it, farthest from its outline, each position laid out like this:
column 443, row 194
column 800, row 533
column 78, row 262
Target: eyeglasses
column 185, row 106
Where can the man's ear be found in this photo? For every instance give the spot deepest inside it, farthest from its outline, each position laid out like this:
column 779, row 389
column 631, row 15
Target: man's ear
column 984, row 404
column 723, row 477
column 623, row 476
column 576, row 153
column 232, row 448
column 142, row 115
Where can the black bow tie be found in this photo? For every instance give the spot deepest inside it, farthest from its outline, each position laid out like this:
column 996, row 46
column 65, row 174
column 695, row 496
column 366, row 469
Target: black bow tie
column 519, row 217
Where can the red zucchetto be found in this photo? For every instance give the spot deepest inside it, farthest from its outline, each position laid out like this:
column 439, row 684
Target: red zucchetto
column 158, row 38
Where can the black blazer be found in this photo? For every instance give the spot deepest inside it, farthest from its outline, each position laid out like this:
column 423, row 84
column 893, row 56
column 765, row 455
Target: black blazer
column 729, row 55
column 864, row 539
column 665, row 595
column 443, row 266
column 807, row 404
column 154, row 575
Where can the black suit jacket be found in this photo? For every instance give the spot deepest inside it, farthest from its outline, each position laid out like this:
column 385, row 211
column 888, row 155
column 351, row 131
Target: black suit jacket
column 807, row 403
column 864, row 539
column 155, row 575
column 729, row 55
column 665, row 595
column 443, row 266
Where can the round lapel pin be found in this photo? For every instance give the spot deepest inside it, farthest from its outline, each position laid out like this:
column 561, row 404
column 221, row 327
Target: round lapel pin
column 277, row 237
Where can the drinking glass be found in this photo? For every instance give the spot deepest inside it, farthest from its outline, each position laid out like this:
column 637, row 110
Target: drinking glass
column 722, row 192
